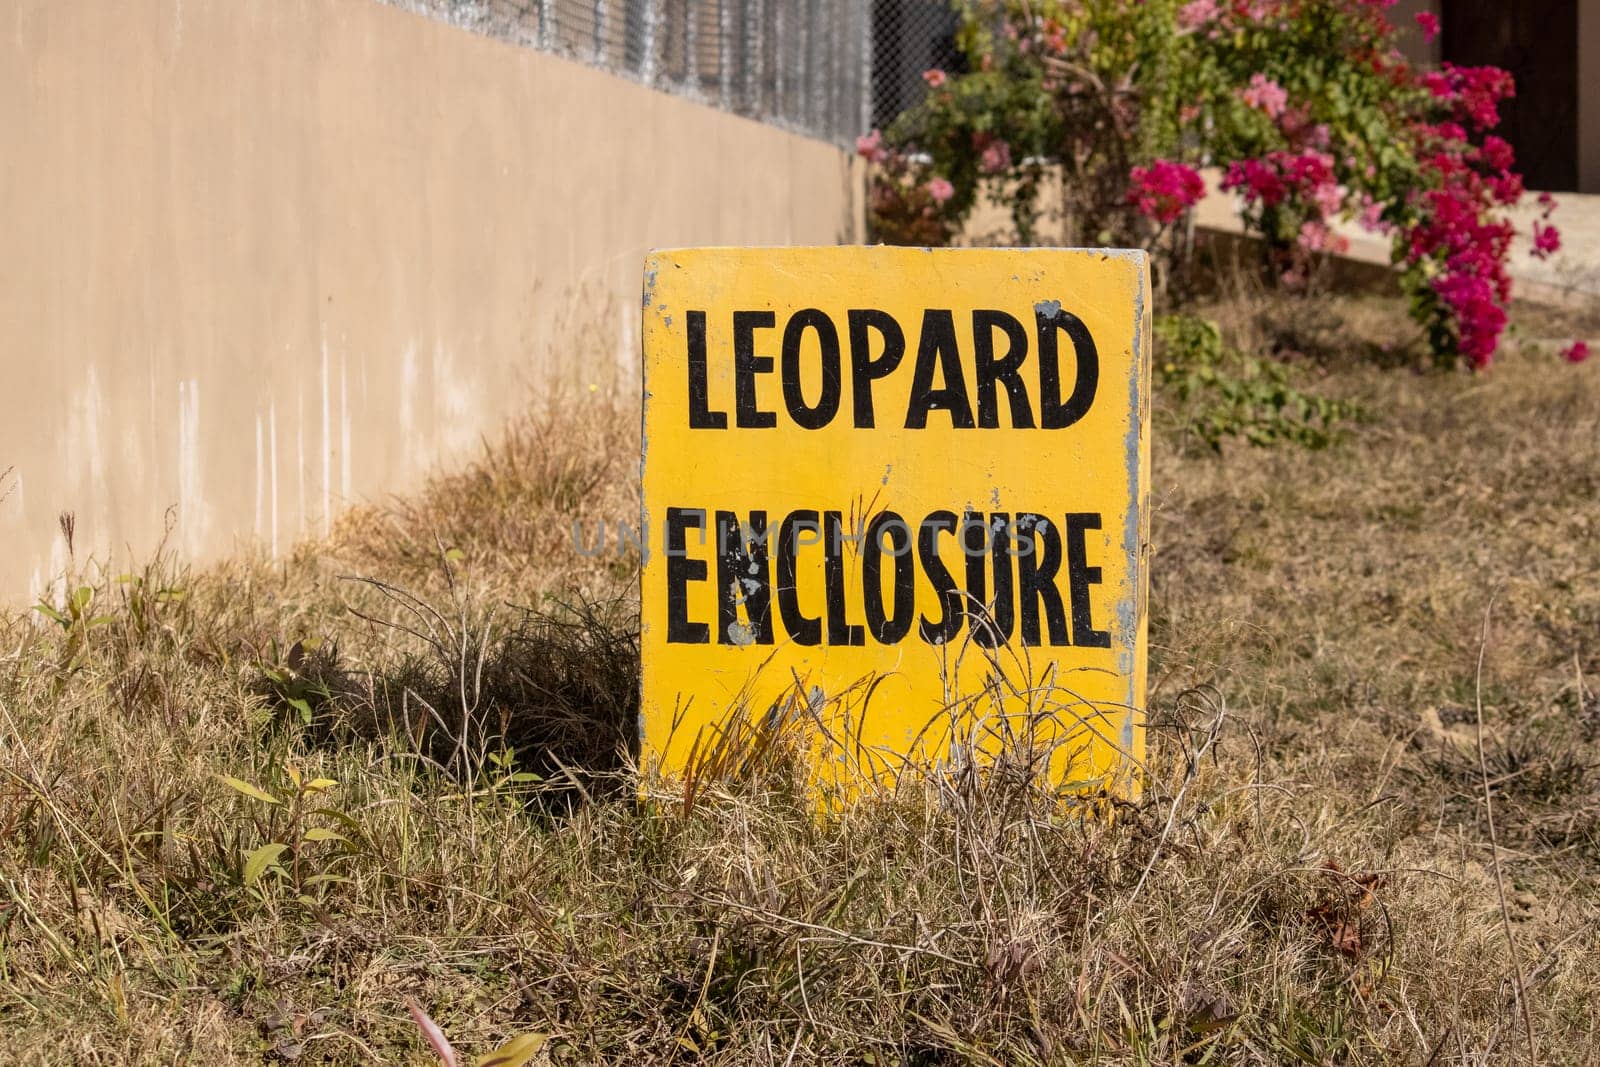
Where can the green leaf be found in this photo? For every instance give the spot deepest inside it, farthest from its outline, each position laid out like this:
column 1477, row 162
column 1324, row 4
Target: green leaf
column 318, row 833
column 342, row 817
column 301, row 705
column 257, row 862
column 51, row 613
column 516, row 1052
column 251, row 791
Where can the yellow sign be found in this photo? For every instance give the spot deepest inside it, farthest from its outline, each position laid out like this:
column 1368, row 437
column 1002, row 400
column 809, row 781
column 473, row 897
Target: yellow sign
column 897, row 497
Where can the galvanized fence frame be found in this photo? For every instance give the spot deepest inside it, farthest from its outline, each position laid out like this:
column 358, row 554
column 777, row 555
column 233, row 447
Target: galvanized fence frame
column 804, row 65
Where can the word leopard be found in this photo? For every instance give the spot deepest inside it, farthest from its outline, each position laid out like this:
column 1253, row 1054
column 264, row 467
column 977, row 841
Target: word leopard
column 937, row 382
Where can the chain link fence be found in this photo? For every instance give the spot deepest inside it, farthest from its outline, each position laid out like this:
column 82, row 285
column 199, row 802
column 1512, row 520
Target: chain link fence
column 801, row 64
column 908, row 38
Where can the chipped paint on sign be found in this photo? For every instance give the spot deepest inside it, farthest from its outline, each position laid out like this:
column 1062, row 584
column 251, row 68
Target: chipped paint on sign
column 914, row 481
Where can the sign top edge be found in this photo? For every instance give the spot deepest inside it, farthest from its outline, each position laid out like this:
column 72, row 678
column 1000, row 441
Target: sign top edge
column 1134, row 254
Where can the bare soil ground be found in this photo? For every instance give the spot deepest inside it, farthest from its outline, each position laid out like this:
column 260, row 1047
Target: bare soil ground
column 1361, row 655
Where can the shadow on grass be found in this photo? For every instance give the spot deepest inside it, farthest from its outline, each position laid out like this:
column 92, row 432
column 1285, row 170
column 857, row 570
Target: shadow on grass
column 546, row 701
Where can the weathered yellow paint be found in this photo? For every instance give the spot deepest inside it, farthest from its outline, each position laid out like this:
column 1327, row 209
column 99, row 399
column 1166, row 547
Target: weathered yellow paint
column 893, row 700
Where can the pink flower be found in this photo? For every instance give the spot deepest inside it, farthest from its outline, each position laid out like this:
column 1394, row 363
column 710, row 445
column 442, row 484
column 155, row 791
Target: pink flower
column 1055, row 36
column 940, row 189
column 1429, row 23
column 869, row 146
column 1576, row 352
column 1547, row 205
column 1316, row 237
column 996, row 157
column 1328, row 197
column 1313, row 236
column 1266, row 95
column 935, row 78
column 1372, row 216
column 1164, row 190
column 1546, row 241
column 1196, row 13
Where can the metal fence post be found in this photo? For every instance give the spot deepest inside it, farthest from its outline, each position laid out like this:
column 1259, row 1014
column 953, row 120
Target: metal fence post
column 547, row 26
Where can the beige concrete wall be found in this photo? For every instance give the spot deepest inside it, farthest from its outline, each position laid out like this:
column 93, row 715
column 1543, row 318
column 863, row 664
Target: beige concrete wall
column 261, row 258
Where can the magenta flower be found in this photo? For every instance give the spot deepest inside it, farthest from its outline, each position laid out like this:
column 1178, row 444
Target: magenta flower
column 1546, row 241
column 1479, row 317
column 1474, row 92
column 1429, row 23
column 1257, row 179
column 1164, row 190
column 1576, row 352
column 1497, row 153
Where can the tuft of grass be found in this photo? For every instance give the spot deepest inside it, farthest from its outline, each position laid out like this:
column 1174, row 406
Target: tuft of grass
column 282, row 809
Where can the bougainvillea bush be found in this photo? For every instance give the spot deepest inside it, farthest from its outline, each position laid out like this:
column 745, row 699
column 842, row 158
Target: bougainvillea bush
column 1305, row 108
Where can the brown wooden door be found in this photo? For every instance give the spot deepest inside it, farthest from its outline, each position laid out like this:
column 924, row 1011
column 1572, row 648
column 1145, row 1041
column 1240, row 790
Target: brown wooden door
column 1537, row 41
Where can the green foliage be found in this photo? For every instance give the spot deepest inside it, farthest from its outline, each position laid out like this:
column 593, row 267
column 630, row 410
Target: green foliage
column 1223, row 393
column 73, row 614
column 294, row 855
column 298, row 680
column 1101, row 86
column 1305, row 108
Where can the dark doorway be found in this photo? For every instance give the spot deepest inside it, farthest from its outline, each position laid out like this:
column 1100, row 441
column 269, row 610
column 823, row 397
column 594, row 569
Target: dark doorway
column 1537, row 41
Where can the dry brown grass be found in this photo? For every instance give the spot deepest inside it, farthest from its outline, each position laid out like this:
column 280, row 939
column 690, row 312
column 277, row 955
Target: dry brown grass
column 1309, row 878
